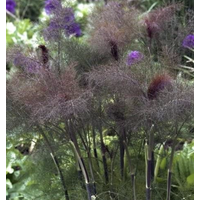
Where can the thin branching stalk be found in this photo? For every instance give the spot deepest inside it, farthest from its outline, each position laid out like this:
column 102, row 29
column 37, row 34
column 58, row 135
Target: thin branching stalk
column 103, row 151
column 121, row 146
column 76, row 149
column 132, row 172
column 149, row 164
column 83, row 168
column 169, row 173
column 92, row 173
column 94, row 145
column 81, row 161
column 12, row 15
column 87, row 149
column 112, row 164
column 56, row 163
column 158, row 161
column 59, row 54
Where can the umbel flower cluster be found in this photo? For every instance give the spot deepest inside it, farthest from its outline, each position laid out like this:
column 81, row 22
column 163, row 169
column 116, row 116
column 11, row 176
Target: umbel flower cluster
column 115, row 83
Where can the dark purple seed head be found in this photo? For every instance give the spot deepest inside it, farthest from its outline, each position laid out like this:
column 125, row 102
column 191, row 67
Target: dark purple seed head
column 159, row 83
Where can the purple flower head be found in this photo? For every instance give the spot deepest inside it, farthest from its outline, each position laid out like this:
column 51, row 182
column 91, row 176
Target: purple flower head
column 134, row 57
column 64, row 21
column 52, row 5
column 188, row 42
column 69, row 24
column 10, row 6
column 73, row 29
column 68, row 17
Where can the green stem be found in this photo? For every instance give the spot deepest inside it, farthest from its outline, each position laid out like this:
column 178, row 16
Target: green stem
column 169, row 174
column 158, row 161
column 149, row 164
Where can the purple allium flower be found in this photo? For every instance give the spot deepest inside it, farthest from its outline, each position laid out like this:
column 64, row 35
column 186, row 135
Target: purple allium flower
column 134, row 57
column 73, row 29
column 188, row 42
column 10, row 6
column 51, row 6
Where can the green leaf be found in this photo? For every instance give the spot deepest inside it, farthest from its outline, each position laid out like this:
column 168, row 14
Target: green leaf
column 190, row 179
column 160, row 180
column 23, row 26
column 8, row 184
column 9, row 39
column 163, row 163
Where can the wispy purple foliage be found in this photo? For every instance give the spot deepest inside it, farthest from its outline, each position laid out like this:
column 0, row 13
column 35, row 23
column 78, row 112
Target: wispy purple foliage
column 51, row 32
column 188, row 42
column 29, row 65
column 134, row 57
column 156, row 20
column 10, row 6
column 51, row 6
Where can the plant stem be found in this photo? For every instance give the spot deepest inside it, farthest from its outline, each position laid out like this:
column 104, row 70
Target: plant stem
column 131, row 170
column 121, row 145
column 12, row 15
column 169, row 174
column 103, row 145
column 158, row 161
column 59, row 55
column 83, row 168
column 104, row 157
column 148, row 180
column 94, row 145
column 149, row 164
column 56, row 163
column 87, row 149
column 92, row 174
column 77, row 151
